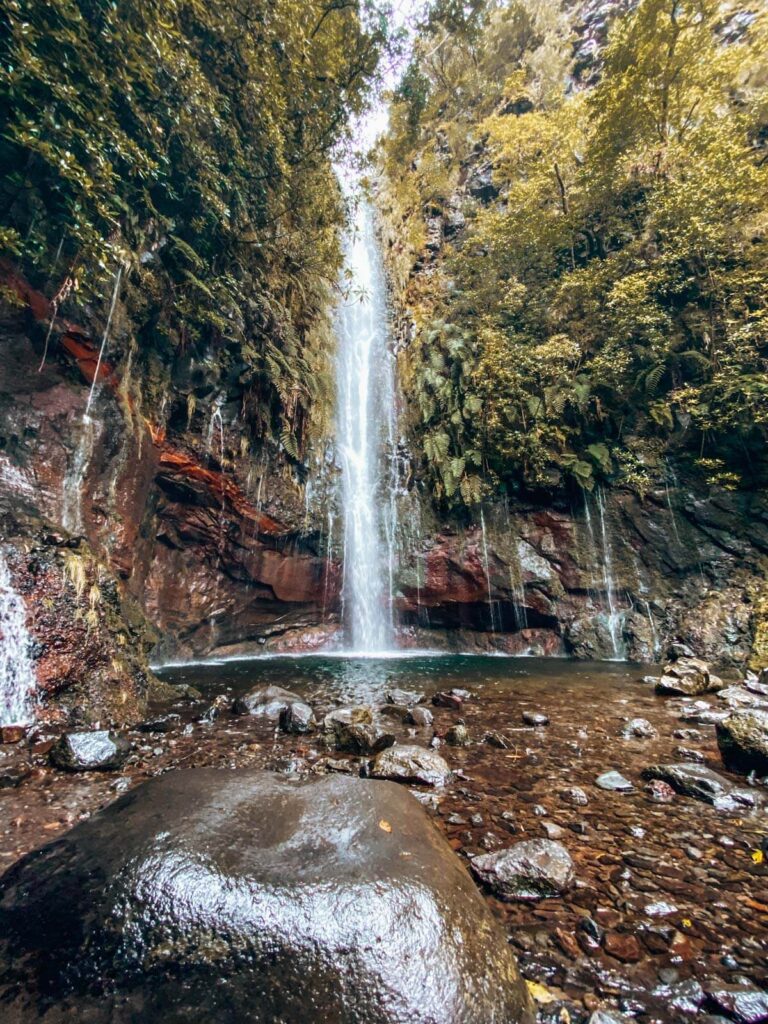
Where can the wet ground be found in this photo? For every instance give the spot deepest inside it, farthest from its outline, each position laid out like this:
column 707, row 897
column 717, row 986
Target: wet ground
column 664, row 891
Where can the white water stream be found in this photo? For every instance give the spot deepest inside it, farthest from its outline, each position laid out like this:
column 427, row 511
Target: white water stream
column 366, row 438
column 17, row 674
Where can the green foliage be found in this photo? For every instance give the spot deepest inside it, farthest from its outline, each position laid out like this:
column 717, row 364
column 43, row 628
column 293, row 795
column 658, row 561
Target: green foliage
column 190, row 143
column 612, row 299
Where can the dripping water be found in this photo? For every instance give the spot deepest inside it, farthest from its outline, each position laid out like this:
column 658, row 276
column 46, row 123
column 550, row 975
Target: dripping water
column 486, row 564
column 17, row 675
column 104, row 338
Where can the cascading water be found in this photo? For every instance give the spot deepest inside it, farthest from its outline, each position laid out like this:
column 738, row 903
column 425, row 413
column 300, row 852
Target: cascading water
column 614, row 616
column 366, row 431
column 17, row 675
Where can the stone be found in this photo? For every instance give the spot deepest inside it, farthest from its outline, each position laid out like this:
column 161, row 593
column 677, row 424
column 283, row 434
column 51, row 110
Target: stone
column 685, row 996
column 638, row 728
column 163, row 723
column 678, row 650
column 530, row 870
column 404, row 697
column 746, row 1004
column 687, row 677
column 622, row 946
column 535, row 718
column 99, row 751
column 446, row 699
column 249, row 898
column 552, row 830
column 412, row 764
column 421, row 717
column 297, row 718
column 659, row 791
column 399, row 712
column 737, row 697
column 215, row 710
column 495, row 739
column 12, row 733
column 614, row 781
column 743, row 741
column 265, row 702
column 13, row 776
column 575, row 796
column 702, row 783
column 458, row 736
column 688, row 754
column 357, row 730
column 609, row 1017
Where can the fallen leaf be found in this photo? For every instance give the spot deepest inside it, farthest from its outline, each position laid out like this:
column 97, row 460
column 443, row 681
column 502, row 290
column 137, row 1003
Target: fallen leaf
column 687, row 922
column 540, row 993
column 385, row 826
column 757, row 857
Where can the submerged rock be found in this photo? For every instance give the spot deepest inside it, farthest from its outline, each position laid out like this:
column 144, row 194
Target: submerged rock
column 409, row 763
column 532, row 870
column 743, row 741
column 638, row 728
column 357, row 730
column 265, row 701
column 100, row 751
column 458, row 736
column 249, row 898
column 703, row 784
column 421, row 717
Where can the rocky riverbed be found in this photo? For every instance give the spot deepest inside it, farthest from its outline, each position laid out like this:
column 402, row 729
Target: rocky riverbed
column 659, row 906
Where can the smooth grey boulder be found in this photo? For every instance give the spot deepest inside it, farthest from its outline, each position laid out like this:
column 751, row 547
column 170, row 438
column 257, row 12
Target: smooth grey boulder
column 357, row 730
column 407, row 762
column 265, row 702
column 245, row 897
column 703, row 784
column 531, row 870
column 743, row 741
column 99, row 751
column 615, row 781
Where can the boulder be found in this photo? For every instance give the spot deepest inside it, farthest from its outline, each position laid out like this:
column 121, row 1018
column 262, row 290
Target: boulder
column 458, row 736
column 297, row 717
column 638, row 728
column 421, row 717
column 531, row 870
column 738, row 697
column 688, row 677
column 245, row 897
column 357, row 730
column 405, row 697
column 265, row 702
column 614, row 781
column 703, row 784
column 409, row 763
column 743, row 741
column 99, row 751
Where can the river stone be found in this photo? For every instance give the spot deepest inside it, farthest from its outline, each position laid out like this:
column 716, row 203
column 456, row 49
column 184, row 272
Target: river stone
column 99, row 751
column 615, row 781
column 297, row 717
column 738, row 697
column 687, row 677
column 421, row 717
column 244, row 897
column 265, row 702
column 703, row 784
column 531, row 870
column 357, row 730
column 410, row 763
column 743, row 741
column 638, row 728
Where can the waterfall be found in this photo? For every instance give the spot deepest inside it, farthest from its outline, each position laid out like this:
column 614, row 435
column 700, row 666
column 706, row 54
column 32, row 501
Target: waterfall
column 365, row 431
column 17, row 675
column 487, row 567
column 614, row 616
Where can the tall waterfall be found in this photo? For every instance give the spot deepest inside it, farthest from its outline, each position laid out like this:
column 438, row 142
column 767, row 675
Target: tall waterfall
column 17, row 675
column 366, row 437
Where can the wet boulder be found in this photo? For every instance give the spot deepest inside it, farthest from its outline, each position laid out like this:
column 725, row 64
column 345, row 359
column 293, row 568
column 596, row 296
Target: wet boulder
column 614, row 781
column 358, row 730
column 738, row 697
column 99, row 751
column 409, row 763
column 421, row 717
column 638, row 729
column 297, row 717
column 688, row 677
column 458, row 736
column 245, row 897
column 530, row 870
column 743, row 741
column 265, row 702
column 702, row 783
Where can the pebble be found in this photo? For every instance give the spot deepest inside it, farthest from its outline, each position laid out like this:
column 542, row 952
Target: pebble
column 535, row 718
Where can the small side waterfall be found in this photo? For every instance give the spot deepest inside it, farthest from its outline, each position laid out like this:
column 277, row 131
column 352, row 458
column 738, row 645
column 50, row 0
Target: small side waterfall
column 366, row 433
column 17, row 675
column 613, row 616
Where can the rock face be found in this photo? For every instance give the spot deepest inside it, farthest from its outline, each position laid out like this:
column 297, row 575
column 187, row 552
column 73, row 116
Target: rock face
column 531, row 870
column 743, row 741
column 99, row 751
column 209, row 895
